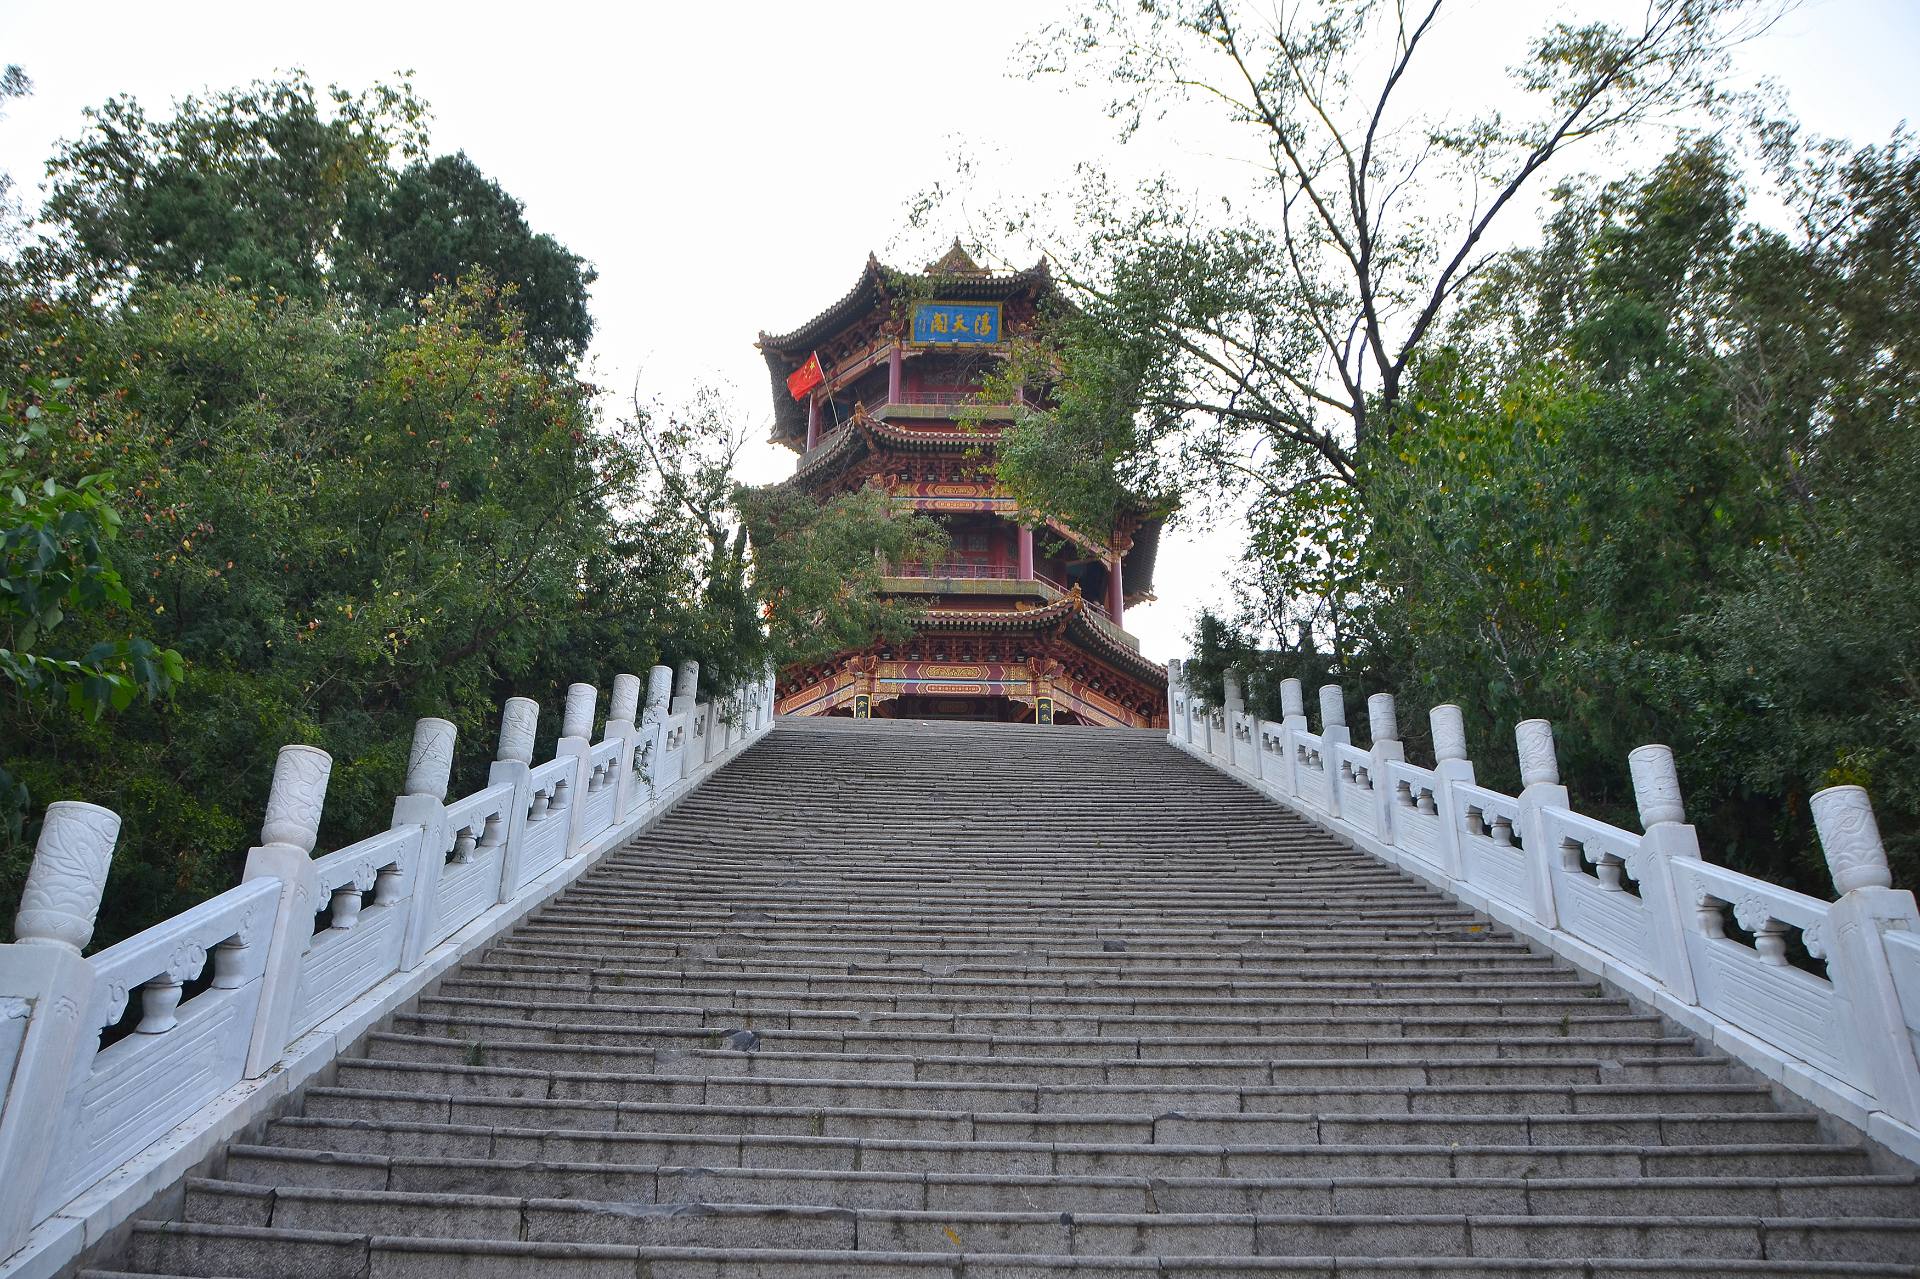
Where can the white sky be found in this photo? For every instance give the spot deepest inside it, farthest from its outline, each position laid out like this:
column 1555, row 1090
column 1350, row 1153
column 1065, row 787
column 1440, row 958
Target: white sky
column 728, row 167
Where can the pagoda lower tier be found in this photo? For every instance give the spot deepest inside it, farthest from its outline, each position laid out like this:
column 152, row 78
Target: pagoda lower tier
column 1059, row 662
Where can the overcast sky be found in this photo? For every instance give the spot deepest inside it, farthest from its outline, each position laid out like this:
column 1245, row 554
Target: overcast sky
column 728, row 167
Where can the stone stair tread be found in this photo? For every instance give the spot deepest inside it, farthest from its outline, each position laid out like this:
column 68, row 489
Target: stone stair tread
column 384, row 1168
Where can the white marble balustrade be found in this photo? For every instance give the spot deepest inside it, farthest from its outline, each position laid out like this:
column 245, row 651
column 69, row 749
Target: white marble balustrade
column 1821, row 997
column 210, row 1017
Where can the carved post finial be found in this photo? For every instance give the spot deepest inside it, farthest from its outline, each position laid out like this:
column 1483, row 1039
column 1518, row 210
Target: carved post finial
column 1383, row 718
column 1333, row 707
column 430, row 760
column 1235, row 698
column 68, row 875
column 625, row 703
column 518, row 719
column 1292, row 700
column 1656, row 785
column 659, row 690
column 1851, row 839
column 576, row 720
column 1538, row 764
column 686, row 682
column 298, row 793
column 1449, row 727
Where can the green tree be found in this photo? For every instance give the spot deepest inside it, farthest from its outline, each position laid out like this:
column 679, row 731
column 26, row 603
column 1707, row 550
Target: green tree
column 341, row 527
column 438, row 221
column 1254, row 339
column 249, row 184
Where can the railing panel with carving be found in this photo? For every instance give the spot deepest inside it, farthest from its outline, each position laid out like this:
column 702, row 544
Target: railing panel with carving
column 673, row 751
column 1351, row 773
column 602, row 788
column 1219, row 736
column 1413, row 811
column 1310, row 765
column 1756, row 987
column 646, row 760
column 181, row 1055
column 1244, row 743
column 1490, row 853
column 475, row 845
column 363, row 891
column 1597, row 879
column 543, row 841
column 1272, row 742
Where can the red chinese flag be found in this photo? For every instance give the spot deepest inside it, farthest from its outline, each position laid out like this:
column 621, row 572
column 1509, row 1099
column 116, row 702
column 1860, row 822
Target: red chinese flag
column 806, row 377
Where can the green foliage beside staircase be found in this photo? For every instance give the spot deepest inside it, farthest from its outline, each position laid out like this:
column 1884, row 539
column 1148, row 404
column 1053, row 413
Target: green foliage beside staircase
column 1658, row 485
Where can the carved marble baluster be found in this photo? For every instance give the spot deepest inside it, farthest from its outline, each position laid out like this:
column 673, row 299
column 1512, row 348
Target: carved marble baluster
column 159, row 999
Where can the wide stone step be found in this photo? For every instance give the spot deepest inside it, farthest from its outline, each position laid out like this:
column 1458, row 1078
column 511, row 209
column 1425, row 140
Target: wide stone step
column 731, row 1225
column 820, row 1118
column 991, row 1083
column 1868, row 1196
column 330, row 1255
column 1249, row 1057
column 473, row 1141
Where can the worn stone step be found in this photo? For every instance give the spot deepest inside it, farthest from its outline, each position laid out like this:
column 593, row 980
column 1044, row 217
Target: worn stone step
column 1870, row 1196
column 1221, row 1127
column 475, row 1141
column 1265, row 1057
column 732, row 1225
column 457, row 1259
column 492, row 1068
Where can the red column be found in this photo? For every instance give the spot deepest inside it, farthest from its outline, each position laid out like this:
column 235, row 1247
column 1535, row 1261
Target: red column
column 893, row 375
column 1025, row 538
column 813, row 421
column 1116, row 591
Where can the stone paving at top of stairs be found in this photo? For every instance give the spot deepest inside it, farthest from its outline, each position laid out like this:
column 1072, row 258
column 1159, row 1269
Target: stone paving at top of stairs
column 1000, row 1002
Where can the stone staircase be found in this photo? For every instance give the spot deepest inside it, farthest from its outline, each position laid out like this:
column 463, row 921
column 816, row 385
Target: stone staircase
column 992, row 1001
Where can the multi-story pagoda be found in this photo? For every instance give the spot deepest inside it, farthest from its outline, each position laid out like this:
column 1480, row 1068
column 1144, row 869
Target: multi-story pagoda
column 1023, row 622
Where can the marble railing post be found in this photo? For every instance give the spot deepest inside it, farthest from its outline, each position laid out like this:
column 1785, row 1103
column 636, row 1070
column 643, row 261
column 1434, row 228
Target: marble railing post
column 513, row 765
column 287, row 836
column 422, row 806
column 686, row 687
column 1293, row 721
column 622, row 710
column 1175, row 693
column 1668, row 837
column 576, row 739
column 1452, row 768
column 45, row 986
column 1333, row 729
column 1384, row 746
column 653, row 728
column 1869, row 907
column 1540, row 789
column 1235, row 707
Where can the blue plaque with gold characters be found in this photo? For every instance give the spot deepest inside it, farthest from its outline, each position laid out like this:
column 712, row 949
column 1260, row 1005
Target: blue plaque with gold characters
column 956, row 323
column 862, row 706
column 1043, row 710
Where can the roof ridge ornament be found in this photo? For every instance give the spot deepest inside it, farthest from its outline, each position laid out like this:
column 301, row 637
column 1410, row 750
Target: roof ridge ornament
column 956, row 261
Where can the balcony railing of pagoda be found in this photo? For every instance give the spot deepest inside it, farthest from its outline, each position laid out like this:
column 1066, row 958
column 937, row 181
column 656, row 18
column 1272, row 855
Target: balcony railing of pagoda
column 1822, row 997
column 120, row 1070
column 957, row 569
